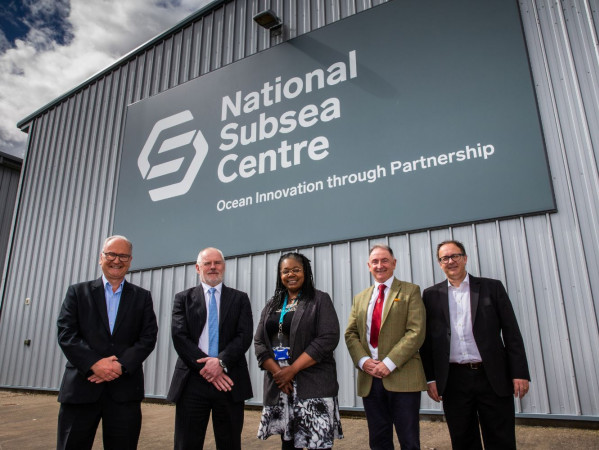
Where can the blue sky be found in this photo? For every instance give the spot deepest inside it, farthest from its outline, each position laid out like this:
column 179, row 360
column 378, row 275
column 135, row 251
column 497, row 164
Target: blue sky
column 18, row 17
column 12, row 23
column 48, row 47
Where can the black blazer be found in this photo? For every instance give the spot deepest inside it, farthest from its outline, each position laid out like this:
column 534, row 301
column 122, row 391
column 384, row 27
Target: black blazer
column 84, row 336
column 492, row 317
column 314, row 330
column 234, row 338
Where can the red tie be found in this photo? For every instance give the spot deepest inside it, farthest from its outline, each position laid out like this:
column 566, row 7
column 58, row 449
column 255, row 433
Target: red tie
column 377, row 313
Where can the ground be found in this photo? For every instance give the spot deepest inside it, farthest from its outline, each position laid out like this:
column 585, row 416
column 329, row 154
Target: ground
column 28, row 421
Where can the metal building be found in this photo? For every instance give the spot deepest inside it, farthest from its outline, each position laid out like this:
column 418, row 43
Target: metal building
column 549, row 263
column 10, row 170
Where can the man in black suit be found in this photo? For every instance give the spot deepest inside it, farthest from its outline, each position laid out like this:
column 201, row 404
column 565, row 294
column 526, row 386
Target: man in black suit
column 473, row 354
column 106, row 329
column 212, row 330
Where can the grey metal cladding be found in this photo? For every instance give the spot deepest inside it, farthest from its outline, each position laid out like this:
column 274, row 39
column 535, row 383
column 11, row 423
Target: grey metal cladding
column 549, row 263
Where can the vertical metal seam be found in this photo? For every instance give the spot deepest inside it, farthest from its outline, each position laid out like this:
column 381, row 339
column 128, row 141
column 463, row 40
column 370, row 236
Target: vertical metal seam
column 577, row 232
column 476, row 248
column 528, row 266
column 502, row 253
column 561, row 304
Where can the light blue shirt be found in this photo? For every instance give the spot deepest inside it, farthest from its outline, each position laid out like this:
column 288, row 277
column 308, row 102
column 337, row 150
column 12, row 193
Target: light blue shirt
column 113, row 299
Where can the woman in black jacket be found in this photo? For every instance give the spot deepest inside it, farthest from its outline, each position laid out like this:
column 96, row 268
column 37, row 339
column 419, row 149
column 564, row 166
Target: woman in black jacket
column 294, row 344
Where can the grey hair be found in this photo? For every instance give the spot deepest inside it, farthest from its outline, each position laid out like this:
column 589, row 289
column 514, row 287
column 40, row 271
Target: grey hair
column 383, row 246
column 199, row 260
column 118, row 236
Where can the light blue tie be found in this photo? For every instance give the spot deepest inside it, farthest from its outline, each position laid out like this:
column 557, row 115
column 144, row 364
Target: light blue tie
column 212, row 325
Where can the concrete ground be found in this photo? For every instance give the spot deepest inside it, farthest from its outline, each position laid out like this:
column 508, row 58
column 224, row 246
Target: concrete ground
column 28, row 421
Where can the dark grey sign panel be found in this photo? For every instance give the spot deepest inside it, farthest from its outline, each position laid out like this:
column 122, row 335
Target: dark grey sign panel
column 407, row 116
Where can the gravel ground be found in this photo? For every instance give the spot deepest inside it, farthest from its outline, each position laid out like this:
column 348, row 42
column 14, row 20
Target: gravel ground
column 28, row 421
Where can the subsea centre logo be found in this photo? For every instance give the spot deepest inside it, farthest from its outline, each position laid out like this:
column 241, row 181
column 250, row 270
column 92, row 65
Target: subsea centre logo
column 149, row 172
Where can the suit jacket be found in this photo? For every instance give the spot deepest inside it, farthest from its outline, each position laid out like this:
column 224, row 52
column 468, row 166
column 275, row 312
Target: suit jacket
column 314, row 330
column 85, row 338
column 234, row 338
column 401, row 335
column 492, row 317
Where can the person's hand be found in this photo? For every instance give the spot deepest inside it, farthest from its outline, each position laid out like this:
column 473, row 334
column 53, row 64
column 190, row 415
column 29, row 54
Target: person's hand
column 380, row 370
column 284, row 377
column 95, row 379
column 223, row 382
column 370, row 366
column 431, row 390
column 105, row 369
column 520, row 387
column 116, row 367
column 287, row 388
column 212, row 369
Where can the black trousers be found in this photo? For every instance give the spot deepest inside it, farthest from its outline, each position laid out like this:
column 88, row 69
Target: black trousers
column 77, row 424
column 472, row 407
column 385, row 409
column 197, row 401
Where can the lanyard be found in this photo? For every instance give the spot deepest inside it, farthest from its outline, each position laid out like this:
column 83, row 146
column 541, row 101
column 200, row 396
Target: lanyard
column 285, row 310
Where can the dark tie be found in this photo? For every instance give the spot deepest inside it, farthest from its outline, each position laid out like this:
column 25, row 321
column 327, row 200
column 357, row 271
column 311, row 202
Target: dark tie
column 377, row 314
column 212, row 325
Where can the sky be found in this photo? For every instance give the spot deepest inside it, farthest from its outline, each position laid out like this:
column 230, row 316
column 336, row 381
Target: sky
column 48, row 47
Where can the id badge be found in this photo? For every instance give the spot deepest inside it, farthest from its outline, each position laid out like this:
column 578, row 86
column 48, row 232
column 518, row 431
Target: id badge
column 281, row 353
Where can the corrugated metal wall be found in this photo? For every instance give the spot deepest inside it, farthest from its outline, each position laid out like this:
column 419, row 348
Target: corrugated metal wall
column 549, row 263
column 10, row 172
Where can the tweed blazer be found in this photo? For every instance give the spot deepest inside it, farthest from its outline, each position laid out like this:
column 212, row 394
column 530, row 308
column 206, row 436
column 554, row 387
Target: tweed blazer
column 403, row 328
column 314, row 330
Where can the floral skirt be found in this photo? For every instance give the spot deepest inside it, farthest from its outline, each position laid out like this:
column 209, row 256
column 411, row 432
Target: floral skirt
column 310, row 423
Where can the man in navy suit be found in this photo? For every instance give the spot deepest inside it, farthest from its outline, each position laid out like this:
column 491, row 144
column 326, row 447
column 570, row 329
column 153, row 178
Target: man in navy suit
column 212, row 329
column 473, row 354
column 106, row 329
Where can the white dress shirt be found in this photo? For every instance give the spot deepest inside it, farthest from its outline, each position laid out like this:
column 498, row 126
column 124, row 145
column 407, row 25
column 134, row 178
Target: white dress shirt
column 375, row 351
column 204, row 342
column 462, row 347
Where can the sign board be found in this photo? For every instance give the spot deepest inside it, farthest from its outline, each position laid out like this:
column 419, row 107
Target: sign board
column 410, row 115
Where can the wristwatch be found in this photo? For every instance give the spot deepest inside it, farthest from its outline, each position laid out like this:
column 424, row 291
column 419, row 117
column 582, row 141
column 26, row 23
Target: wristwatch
column 222, row 364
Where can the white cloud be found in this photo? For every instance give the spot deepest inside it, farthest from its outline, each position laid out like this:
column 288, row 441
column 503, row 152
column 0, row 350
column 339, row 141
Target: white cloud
column 37, row 69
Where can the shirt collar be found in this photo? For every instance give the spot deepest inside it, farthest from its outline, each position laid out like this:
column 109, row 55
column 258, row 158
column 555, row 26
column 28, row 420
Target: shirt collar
column 387, row 283
column 207, row 287
column 465, row 282
column 107, row 283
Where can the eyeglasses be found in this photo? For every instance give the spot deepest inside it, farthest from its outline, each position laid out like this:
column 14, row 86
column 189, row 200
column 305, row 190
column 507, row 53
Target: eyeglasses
column 294, row 271
column 456, row 257
column 110, row 256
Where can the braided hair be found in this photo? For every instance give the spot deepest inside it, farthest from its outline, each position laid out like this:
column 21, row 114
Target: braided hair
column 307, row 290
